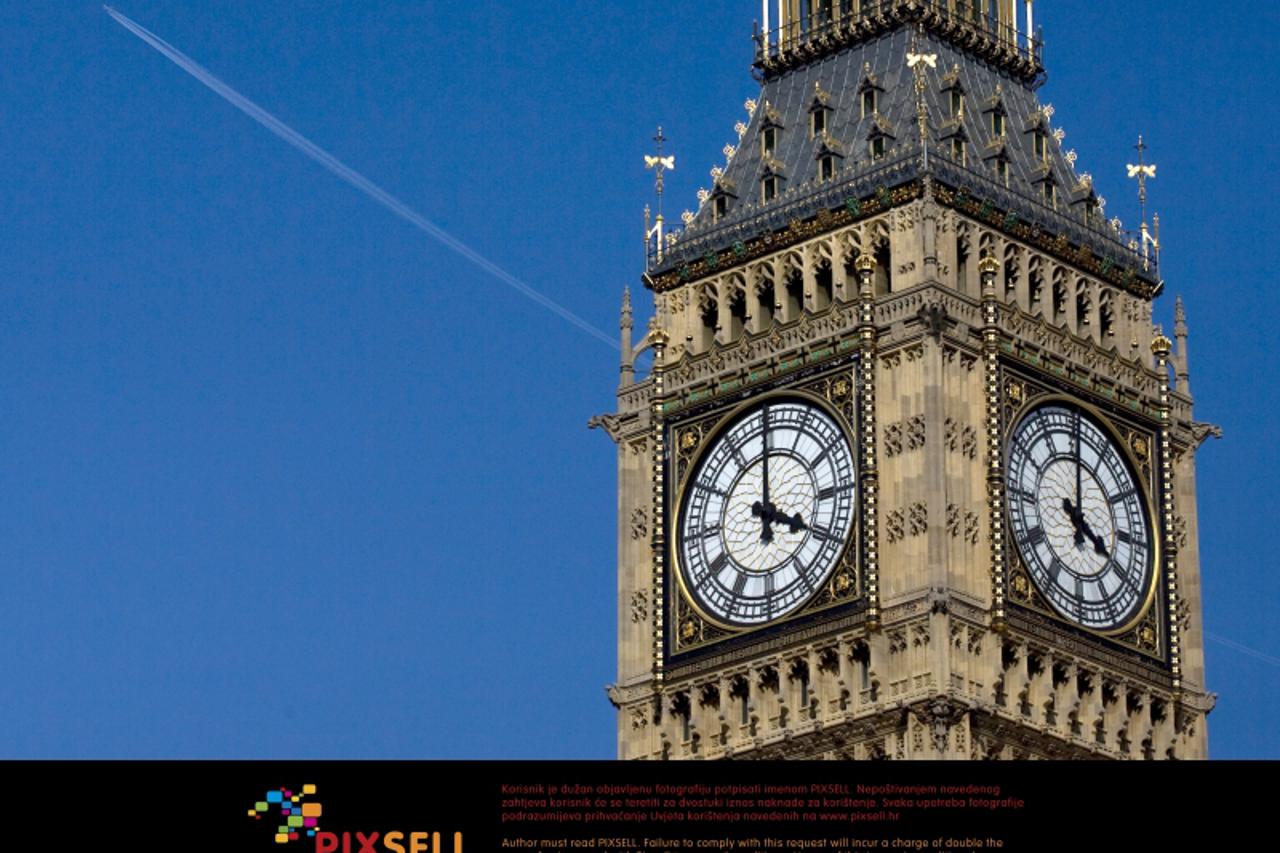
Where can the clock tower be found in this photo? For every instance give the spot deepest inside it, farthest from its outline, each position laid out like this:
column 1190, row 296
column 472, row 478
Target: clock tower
column 912, row 474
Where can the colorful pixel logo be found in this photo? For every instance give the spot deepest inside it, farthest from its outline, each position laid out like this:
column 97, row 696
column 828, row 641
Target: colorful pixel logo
column 296, row 816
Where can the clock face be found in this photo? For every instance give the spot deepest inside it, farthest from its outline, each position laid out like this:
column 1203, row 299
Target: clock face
column 766, row 512
column 1079, row 517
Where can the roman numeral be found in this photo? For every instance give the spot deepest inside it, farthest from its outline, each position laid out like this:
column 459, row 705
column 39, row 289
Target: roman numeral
column 1033, row 536
column 1120, row 497
column 1027, row 497
column 718, row 563
column 830, row 491
column 823, row 534
column 705, row 487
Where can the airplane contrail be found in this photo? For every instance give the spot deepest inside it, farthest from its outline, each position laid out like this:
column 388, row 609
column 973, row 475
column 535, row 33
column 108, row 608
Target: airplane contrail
column 1243, row 649
column 351, row 176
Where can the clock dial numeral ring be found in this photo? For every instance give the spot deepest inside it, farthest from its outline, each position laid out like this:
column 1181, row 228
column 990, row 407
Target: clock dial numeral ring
column 1079, row 517
column 766, row 512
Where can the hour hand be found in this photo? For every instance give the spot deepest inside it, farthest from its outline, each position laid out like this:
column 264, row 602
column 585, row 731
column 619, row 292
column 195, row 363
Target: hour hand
column 1077, row 518
column 1098, row 546
column 767, row 513
column 1083, row 529
column 794, row 522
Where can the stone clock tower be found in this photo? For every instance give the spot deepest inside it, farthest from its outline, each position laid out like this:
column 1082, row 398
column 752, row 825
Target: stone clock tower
column 912, row 474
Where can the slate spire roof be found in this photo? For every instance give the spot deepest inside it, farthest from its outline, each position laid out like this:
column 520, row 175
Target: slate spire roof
column 1011, row 151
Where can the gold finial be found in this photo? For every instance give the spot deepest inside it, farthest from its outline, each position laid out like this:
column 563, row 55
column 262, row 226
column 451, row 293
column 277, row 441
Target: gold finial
column 1161, row 346
column 1142, row 171
column 658, row 337
column 989, row 266
column 916, row 62
column 661, row 165
column 865, row 264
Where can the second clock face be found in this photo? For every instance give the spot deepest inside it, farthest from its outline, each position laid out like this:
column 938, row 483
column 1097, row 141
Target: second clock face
column 767, row 512
column 1079, row 517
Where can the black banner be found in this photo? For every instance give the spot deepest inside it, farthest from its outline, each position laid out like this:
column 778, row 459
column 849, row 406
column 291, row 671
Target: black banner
column 607, row 807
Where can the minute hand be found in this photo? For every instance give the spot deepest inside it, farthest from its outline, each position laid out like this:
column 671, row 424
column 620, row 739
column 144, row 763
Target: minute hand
column 764, row 509
column 1076, row 514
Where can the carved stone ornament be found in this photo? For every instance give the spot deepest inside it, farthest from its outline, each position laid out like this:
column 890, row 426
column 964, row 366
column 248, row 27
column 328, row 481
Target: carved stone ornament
column 939, row 715
column 639, row 523
column 639, row 606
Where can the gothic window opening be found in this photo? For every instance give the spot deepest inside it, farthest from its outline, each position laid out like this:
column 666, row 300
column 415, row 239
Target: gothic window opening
column 1002, row 171
column 1083, row 308
column 868, row 103
column 822, row 283
column 720, row 207
column 764, row 307
column 769, row 141
column 682, row 708
column 861, row 655
column 957, row 150
column 957, row 102
column 1059, row 300
column 883, row 279
column 708, row 326
column 877, row 148
column 794, row 294
column 826, row 167
column 741, row 690
column 1040, row 143
column 738, row 315
column 769, row 188
column 997, row 124
column 800, row 677
column 818, row 122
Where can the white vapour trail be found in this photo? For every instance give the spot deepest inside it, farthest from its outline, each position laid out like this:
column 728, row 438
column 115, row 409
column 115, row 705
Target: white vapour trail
column 1243, row 649
column 351, row 176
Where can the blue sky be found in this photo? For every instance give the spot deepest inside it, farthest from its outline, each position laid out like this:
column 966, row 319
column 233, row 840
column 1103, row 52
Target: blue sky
column 282, row 477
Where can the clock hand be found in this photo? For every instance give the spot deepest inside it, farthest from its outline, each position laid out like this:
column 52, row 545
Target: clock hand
column 1077, row 518
column 1079, row 475
column 1083, row 529
column 1098, row 546
column 766, row 510
column 795, row 522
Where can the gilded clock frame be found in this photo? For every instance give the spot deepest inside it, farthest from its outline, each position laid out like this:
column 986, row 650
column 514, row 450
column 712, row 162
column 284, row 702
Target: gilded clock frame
column 1021, row 395
column 688, row 627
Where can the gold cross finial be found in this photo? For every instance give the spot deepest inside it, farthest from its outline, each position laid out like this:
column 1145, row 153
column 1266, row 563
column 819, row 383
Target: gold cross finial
column 660, row 165
column 917, row 62
column 1142, row 171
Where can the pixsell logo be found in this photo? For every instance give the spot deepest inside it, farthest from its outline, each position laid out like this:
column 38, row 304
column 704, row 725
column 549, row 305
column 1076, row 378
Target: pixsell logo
column 295, row 816
column 298, row 817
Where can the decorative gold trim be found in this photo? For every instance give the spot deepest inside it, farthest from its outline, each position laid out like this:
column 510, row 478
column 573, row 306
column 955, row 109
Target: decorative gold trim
column 869, row 472
column 1161, row 348
column 996, row 465
column 659, row 339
